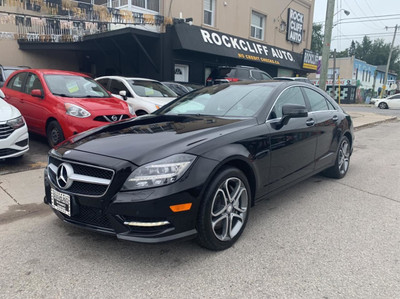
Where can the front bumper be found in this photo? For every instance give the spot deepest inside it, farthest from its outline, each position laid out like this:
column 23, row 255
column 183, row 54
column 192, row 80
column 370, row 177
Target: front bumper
column 142, row 216
column 16, row 144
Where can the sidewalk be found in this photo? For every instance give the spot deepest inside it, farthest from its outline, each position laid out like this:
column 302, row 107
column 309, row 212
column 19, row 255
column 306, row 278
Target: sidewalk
column 23, row 191
column 365, row 119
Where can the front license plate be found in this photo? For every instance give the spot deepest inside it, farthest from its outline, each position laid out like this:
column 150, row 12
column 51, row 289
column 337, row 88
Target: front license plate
column 61, row 202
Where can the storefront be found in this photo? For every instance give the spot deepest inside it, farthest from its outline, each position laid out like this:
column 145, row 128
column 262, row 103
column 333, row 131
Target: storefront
column 191, row 52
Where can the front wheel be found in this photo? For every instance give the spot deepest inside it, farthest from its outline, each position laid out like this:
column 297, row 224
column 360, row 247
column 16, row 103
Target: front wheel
column 383, row 106
column 342, row 162
column 54, row 133
column 224, row 211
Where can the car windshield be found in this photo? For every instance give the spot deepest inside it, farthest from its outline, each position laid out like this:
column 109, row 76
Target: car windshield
column 74, row 86
column 221, row 100
column 150, row 89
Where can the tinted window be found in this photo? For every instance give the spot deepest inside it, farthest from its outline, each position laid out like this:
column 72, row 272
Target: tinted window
column 242, row 74
column 16, row 82
column 32, row 83
column 116, row 86
column 103, row 82
column 317, row 101
column 258, row 75
column 292, row 95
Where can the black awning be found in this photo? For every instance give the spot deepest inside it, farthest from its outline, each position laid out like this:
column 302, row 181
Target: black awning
column 199, row 39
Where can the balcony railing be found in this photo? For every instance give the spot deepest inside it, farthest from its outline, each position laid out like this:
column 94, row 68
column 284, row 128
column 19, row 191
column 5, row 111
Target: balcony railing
column 70, row 21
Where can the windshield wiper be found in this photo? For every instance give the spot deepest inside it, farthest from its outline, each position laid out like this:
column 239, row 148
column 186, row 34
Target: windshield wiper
column 62, row 95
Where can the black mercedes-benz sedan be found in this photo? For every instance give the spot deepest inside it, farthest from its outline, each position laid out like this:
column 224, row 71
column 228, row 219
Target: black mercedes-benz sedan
column 195, row 167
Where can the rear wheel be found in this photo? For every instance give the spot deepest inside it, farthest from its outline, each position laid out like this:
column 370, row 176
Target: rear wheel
column 342, row 162
column 224, row 211
column 54, row 133
column 383, row 106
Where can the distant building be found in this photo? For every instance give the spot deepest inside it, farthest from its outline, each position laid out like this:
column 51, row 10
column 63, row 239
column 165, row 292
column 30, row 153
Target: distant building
column 353, row 71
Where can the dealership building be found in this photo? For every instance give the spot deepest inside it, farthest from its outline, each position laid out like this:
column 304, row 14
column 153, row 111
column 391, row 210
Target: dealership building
column 168, row 40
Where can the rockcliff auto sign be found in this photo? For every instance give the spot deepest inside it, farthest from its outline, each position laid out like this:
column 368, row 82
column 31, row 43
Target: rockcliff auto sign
column 203, row 40
column 295, row 26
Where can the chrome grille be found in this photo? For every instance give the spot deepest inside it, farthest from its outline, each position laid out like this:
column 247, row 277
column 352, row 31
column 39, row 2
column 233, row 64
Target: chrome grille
column 5, row 131
column 87, row 180
column 111, row 118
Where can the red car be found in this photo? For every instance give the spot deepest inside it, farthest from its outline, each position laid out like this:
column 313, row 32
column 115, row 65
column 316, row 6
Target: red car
column 59, row 104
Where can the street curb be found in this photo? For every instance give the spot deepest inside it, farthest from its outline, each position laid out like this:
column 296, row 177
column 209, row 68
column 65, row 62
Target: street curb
column 394, row 118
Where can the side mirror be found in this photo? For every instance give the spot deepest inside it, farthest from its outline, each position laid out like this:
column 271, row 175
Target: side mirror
column 2, row 96
column 37, row 93
column 290, row 111
column 122, row 93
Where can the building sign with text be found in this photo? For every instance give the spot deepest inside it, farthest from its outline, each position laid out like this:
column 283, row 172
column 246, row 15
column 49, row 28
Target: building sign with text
column 208, row 41
column 295, row 26
column 310, row 60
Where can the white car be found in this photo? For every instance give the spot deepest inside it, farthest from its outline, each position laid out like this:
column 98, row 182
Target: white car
column 144, row 95
column 14, row 138
column 391, row 102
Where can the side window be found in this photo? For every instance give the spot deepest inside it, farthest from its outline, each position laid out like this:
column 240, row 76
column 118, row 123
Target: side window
column 116, row 86
column 292, row 95
column 317, row 101
column 256, row 75
column 103, row 82
column 32, row 83
column 242, row 74
column 16, row 82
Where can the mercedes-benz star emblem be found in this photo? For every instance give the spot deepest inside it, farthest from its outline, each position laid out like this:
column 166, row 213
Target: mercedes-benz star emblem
column 114, row 118
column 64, row 173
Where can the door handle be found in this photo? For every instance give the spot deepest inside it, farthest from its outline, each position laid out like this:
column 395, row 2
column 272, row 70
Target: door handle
column 310, row 122
column 335, row 118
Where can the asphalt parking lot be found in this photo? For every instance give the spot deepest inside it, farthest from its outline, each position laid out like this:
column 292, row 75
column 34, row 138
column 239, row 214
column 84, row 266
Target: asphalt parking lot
column 322, row 238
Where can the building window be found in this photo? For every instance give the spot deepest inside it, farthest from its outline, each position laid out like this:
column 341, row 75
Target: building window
column 209, row 11
column 257, row 25
column 147, row 4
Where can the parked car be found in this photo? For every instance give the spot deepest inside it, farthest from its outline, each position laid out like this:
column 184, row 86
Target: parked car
column 178, row 88
column 6, row 71
column 227, row 74
column 144, row 95
column 59, row 104
column 196, row 166
column 391, row 102
column 298, row 79
column 14, row 139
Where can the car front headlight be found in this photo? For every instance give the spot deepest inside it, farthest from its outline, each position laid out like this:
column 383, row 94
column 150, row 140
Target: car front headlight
column 76, row 111
column 16, row 123
column 159, row 173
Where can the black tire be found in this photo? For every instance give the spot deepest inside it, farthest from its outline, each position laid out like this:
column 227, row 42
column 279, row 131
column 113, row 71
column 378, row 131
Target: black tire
column 383, row 106
column 54, row 133
column 222, row 219
column 140, row 112
column 342, row 161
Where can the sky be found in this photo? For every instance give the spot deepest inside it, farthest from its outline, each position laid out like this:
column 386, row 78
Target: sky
column 367, row 17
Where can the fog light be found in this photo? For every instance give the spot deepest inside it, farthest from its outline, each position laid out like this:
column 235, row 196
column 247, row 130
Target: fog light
column 181, row 207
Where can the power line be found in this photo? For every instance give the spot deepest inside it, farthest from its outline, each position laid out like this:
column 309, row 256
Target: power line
column 366, row 18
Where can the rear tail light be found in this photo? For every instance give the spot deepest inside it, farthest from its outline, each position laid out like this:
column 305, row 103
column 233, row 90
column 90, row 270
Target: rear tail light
column 232, row 79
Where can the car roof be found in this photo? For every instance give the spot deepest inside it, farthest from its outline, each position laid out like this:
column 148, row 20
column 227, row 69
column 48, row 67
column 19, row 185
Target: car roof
column 53, row 72
column 126, row 78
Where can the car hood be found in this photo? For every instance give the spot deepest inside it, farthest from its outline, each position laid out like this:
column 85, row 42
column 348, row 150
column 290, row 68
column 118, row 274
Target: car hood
column 151, row 137
column 94, row 104
column 7, row 111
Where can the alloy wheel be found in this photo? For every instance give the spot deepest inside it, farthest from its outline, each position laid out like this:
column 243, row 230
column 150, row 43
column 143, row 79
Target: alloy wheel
column 344, row 157
column 229, row 209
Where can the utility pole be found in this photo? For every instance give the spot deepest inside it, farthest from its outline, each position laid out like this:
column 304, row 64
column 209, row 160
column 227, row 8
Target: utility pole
column 388, row 63
column 330, row 8
column 334, row 75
